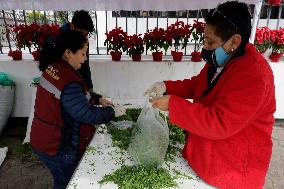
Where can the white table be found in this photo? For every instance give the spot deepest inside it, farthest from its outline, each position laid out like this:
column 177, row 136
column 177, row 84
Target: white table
column 102, row 158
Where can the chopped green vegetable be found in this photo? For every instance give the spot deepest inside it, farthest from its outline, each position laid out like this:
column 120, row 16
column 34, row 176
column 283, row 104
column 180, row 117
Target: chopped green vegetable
column 133, row 113
column 138, row 177
column 125, row 117
column 120, row 137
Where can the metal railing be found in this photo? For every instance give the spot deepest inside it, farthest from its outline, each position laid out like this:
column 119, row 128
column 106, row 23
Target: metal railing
column 133, row 22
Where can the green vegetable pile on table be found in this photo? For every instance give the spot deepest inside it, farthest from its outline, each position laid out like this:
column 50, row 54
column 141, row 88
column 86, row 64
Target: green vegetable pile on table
column 137, row 177
column 176, row 136
column 121, row 137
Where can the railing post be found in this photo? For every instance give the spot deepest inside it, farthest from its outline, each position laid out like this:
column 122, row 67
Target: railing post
column 116, row 12
column 279, row 16
column 44, row 16
column 136, row 18
column 97, row 33
column 147, row 25
column 268, row 15
column 7, row 30
column 15, row 19
column 106, row 28
column 34, row 14
column 55, row 17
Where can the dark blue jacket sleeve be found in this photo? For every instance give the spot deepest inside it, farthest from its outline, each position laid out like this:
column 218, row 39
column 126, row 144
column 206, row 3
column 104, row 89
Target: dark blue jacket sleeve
column 75, row 103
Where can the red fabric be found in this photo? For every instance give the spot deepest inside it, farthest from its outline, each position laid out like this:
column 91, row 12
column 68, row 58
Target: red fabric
column 46, row 132
column 86, row 135
column 229, row 129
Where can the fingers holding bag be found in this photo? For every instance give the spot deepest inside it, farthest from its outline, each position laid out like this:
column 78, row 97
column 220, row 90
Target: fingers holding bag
column 156, row 90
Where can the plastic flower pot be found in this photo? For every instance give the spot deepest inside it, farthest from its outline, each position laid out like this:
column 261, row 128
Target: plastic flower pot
column 275, row 57
column 196, row 56
column 157, row 56
column 115, row 56
column 136, row 57
column 36, row 55
column 177, row 56
column 16, row 55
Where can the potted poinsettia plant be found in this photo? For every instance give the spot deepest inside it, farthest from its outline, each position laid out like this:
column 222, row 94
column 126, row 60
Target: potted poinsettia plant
column 197, row 32
column 33, row 35
column 16, row 55
column 135, row 46
column 115, row 42
column 40, row 36
column 277, row 44
column 24, row 35
column 262, row 39
column 155, row 40
column 178, row 35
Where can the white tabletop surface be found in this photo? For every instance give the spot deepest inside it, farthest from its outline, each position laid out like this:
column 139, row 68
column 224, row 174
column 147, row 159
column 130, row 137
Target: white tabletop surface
column 102, row 158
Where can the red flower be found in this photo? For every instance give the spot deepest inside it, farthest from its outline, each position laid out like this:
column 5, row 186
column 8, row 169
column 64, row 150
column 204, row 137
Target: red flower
column 197, row 31
column 134, row 44
column 277, row 40
column 262, row 39
column 155, row 39
column 33, row 34
column 179, row 33
column 115, row 40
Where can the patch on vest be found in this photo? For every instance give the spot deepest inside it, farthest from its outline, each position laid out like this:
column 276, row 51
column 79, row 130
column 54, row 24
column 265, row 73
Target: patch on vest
column 51, row 71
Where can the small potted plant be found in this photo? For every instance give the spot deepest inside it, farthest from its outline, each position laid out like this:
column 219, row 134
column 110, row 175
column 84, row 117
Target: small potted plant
column 197, row 32
column 115, row 43
column 135, row 46
column 33, row 35
column 277, row 44
column 178, row 34
column 262, row 39
column 16, row 55
column 155, row 39
column 23, row 36
column 40, row 36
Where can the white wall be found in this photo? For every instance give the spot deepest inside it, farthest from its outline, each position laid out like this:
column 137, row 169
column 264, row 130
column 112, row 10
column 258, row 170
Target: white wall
column 124, row 81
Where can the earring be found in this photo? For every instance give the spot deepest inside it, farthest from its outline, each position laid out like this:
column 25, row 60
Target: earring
column 234, row 48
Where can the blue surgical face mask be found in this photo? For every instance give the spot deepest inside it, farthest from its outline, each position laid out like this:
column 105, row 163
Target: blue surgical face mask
column 215, row 57
column 221, row 55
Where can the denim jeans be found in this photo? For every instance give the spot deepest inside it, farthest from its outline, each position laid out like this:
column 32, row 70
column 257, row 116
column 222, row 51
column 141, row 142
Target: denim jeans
column 61, row 166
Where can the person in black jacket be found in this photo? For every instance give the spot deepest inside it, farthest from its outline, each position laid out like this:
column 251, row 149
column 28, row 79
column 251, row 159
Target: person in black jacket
column 82, row 22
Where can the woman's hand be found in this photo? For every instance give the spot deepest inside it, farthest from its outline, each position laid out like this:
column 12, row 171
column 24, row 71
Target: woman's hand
column 161, row 103
column 105, row 102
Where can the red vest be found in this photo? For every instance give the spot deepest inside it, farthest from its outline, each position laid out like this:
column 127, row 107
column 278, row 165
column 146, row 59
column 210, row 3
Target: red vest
column 48, row 125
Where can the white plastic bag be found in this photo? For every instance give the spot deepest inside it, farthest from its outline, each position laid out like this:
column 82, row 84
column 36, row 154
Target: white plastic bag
column 3, row 152
column 6, row 104
column 150, row 138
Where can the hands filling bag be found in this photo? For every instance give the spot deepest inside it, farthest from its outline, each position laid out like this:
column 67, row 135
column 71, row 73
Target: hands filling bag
column 150, row 138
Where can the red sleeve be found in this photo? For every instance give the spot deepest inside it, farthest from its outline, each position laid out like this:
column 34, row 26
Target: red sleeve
column 236, row 105
column 185, row 88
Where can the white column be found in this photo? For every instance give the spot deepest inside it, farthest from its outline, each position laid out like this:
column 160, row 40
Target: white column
column 257, row 9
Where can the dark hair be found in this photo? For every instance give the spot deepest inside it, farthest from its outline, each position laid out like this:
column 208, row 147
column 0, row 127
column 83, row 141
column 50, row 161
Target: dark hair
column 82, row 20
column 54, row 51
column 229, row 18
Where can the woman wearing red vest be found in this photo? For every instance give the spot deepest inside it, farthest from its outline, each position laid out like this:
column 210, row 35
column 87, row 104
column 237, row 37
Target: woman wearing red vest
column 229, row 123
column 62, row 125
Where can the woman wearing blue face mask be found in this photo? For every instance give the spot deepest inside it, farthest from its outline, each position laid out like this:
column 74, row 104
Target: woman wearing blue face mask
column 228, row 126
